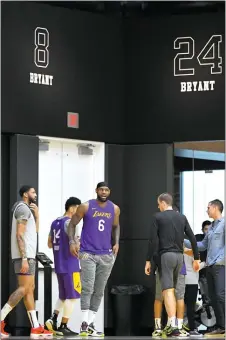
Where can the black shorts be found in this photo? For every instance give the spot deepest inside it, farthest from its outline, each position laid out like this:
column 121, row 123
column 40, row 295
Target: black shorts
column 171, row 264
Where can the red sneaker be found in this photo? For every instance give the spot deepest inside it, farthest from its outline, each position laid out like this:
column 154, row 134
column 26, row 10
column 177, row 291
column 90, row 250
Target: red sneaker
column 4, row 334
column 40, row 332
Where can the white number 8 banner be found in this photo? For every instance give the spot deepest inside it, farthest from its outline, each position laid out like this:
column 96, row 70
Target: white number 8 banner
column 41, row 52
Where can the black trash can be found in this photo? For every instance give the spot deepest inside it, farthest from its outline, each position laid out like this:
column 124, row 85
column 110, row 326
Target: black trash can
column 127, row 302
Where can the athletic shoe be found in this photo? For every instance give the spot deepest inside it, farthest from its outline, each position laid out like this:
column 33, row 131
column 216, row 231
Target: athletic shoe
column 40, row 332
column 157, row 333
column 93, row 332
column 165, row 331
column 51, row 325
column 218, row 331
column 185, row 327
column 4, row 334
column 183, row 333
column 84, row 329
column 173, row 331
column 195, row 333
column 66, row 331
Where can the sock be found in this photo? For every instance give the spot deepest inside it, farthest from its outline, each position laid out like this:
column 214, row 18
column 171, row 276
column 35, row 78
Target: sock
column 63, row 325
column 180, row 323
column 33, row 318
column 54, row 317
column 173, row 321
column 59, row 305
column 5, row 311
column 85, row 316
column 68, row 308
column 168, row 323
column 157, row 323
column 91, row 316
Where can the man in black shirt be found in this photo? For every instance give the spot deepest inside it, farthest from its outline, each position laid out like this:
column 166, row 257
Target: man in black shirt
column 166, row 239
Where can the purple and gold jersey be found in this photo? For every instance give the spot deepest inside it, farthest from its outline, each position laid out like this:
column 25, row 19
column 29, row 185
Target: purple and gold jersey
column 97, row 229
column 63, row 260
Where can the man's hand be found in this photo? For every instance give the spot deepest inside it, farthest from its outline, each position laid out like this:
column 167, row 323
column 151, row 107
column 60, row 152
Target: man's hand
column 24, row 266
column 115, row 249
column 34, row 208
column 147, row 268
column 74, row 249
column 188, row 252
column 196, row 265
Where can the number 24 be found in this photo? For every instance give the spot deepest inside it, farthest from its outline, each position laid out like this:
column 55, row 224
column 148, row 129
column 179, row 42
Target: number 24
column 214, row 60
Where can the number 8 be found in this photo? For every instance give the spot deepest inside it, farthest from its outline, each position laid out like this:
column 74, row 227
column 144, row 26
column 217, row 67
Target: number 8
column 101, row 225
column 41, row 59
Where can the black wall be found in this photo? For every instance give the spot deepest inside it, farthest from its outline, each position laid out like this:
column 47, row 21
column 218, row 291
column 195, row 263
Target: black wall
column 19, row 167
column 86, row 61
column 163, row 113
column 145, row 172
column 116, row 73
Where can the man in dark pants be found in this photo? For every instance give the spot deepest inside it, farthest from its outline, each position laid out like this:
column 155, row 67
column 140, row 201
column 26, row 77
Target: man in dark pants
column 166, row 239
column 203, row 255
column 214, row 242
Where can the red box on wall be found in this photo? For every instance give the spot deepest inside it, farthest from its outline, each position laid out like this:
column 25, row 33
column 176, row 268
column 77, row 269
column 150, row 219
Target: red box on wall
column 72, row 120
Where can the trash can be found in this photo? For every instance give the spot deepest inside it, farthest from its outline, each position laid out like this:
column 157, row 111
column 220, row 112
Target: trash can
column 127, row 303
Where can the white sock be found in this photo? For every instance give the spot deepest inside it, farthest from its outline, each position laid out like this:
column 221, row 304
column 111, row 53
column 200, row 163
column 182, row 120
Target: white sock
column 33, row 318
column 92, row 316
column 85, row 316
column 68, row 308
column 168, row 323
column 157, row 323
column 5, row 311
column 59, row 305
column 172, row 321
column 180, row 323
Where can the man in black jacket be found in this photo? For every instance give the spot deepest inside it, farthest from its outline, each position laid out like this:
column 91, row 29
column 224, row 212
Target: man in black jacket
column 167, row 238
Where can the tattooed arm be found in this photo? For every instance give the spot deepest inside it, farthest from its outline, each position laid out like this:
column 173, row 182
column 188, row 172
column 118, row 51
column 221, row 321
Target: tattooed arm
column 76, row 218
column 116, row 230
column 22, row 214
column 21, row 228
column 50, row 245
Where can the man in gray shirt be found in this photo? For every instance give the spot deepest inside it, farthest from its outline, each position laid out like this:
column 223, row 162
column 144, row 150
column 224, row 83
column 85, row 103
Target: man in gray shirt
column 214, row 243
column 23, row 251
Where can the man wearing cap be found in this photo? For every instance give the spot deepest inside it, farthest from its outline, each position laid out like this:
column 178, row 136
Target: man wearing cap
column 98, row 249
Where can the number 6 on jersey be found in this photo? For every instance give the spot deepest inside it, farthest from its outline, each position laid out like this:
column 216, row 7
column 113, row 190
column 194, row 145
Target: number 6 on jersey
column 101, row 225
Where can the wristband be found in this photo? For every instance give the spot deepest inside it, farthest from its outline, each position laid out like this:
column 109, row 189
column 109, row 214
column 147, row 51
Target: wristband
column 71, row 242
column 24, row 259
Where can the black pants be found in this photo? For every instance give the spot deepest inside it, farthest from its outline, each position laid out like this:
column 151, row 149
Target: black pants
column 216, row 287
column 190, row 297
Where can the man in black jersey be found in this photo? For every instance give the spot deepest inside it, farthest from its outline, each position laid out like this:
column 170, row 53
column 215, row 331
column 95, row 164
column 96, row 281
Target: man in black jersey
column 166, row 238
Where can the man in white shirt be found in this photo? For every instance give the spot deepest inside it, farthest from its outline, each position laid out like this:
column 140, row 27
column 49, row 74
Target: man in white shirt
column 23, row 252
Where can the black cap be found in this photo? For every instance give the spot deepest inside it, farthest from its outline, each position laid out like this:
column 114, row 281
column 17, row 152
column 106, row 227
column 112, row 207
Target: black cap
column 102, row 184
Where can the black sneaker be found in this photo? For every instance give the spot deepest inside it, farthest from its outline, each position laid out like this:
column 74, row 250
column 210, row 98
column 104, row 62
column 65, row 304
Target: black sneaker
column 217, row 331
column 195, row 333
column 84, row 329
column 51, row 325
column 66, row 331
column 93, row 332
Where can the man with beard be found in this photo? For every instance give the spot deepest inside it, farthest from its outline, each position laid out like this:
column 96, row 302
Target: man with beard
column 23, row 251
column 97, row 253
